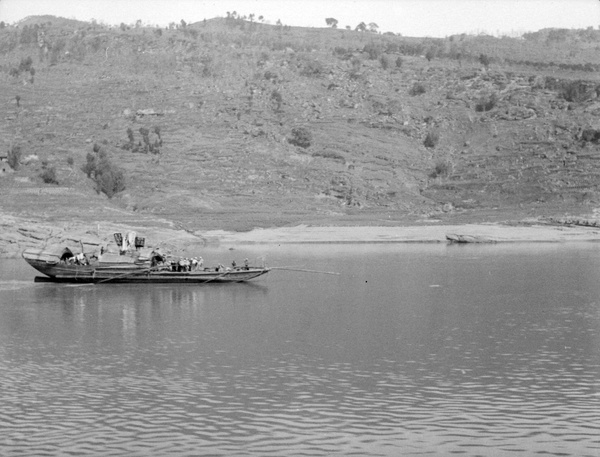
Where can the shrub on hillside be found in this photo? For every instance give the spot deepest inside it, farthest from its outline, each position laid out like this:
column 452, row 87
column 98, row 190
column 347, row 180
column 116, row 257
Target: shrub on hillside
column 590, row 135
column 431, row 139
column 573, row 91
column 90, row 164
column 385, row 62
column 417, row 89
column 57, row 50
column 271, row 76
column 147, row 145
column 109, row 178
column 48, row 174
column 484, row 60
column 25, row 66
column 373, row 51
column 442, row 169
column 486, row 102
column 342, row 53
column 301, row 137
column 277, row 99
column 311, row 67
column 14, row 157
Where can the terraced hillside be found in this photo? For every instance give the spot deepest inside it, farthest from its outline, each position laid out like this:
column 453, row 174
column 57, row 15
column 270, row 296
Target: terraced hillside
column 235, row 125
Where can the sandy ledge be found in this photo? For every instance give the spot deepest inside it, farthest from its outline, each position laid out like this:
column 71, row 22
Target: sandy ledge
column 22, row 234
column 492, row 233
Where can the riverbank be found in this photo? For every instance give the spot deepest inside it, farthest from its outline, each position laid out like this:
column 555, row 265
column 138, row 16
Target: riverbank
column 19, row 234
column 475, row 233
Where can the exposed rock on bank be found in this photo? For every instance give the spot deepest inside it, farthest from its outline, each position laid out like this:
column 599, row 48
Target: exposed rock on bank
column 19, row 234
column 16, row 235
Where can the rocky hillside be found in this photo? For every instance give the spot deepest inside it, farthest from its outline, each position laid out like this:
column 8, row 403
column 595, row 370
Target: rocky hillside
column 235, row 124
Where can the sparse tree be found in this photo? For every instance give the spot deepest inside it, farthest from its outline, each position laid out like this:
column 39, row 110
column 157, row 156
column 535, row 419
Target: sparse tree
column 385, row 62
column 90, row 164
column 277, row 98
column 109, row 178
column 362, row 27
column 484, row 60
column 130, row 136
column 431, row 139
column 417, row 89
column 48, row 174
column 373, row 27
column 331, row 22
column 301, row 137
column 14, row 157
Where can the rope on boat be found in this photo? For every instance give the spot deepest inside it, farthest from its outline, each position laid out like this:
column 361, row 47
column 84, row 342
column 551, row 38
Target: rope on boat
column 305, row 270
column 217, row 277
column 147, row 270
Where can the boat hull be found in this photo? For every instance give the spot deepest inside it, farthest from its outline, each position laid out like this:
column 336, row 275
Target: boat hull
column 129, row 272
column 161, row 277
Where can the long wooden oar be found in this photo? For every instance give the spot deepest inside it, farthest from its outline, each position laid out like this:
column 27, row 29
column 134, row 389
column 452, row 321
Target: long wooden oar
column 305, row 270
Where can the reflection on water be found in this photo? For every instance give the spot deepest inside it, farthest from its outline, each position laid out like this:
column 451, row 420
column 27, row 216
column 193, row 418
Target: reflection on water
column 412, row 350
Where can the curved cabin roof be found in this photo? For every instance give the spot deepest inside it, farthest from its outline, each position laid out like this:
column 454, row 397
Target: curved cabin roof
column 50, row 254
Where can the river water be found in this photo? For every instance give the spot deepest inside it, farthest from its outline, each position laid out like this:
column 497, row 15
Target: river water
column 412, row 350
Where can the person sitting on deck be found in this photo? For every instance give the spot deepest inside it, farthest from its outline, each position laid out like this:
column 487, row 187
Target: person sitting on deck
column 80, row 259
column 246, row 264
column 184, row 265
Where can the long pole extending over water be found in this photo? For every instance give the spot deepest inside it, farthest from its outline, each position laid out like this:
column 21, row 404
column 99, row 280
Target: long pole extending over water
column 304, row 270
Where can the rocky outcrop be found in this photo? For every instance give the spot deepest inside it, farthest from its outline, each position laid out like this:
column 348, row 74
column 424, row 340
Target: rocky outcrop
column 18, row 234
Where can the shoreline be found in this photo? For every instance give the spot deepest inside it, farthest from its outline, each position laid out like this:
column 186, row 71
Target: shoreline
column 20, row 237
column 468, row 233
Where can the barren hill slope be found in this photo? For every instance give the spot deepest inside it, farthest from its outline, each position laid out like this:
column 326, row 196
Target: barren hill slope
column 234, row 125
